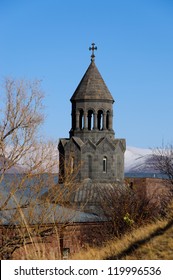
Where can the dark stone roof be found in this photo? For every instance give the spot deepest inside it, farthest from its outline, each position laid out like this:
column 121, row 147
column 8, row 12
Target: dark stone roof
column 38, row 210
column 86, row 196
column 77, row 203
column 92, row 86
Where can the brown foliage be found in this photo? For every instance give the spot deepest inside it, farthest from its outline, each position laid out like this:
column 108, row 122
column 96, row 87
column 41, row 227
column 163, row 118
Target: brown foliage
column 125, row 207
column 162, row 161
column 21, row 116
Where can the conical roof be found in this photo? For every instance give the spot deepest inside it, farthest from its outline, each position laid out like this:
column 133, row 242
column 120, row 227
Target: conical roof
column 92, row 86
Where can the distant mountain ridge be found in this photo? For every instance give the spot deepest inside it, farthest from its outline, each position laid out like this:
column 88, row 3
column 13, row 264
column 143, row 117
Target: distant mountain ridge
column 16, row 169
column 137, row 160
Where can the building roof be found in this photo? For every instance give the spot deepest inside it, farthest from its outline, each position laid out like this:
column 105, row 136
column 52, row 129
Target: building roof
column 87, row 196
column 92, row 86
column 34, row 209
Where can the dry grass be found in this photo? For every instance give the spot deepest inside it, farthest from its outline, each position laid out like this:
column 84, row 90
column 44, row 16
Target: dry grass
column 154, row 241
column 36, row 252
column 159, row 248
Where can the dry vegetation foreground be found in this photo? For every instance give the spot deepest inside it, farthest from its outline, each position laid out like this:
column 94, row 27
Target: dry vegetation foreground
column 153, row 241
column 158, row 248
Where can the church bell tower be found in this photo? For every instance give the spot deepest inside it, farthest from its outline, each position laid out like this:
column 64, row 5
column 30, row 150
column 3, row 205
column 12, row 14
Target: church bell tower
column 92, row 145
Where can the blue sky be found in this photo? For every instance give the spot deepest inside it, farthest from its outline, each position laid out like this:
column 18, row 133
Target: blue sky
column 49, row 40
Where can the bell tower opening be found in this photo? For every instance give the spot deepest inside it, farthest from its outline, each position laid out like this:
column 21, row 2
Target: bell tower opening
column 90, row 120
column 81, row 119
column 100, row 120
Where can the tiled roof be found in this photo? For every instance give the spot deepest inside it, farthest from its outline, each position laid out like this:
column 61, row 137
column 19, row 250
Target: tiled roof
column 37, row 210
column 87, row 196
column 92, row 86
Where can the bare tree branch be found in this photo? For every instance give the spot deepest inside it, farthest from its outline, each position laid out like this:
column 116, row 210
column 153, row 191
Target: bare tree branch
column 24, row 210
column 162, row 161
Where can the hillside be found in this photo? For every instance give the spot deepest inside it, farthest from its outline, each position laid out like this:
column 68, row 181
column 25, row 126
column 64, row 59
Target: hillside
column 153, row 241
column 158, row 247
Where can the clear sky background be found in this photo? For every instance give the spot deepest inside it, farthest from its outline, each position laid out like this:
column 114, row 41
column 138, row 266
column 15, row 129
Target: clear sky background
column 49, row 40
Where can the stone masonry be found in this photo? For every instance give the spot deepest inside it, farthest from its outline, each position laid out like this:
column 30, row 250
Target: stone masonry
column 91, row 145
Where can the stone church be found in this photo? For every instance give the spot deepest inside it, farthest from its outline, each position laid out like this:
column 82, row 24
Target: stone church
column 92, row 150
column 94, row 158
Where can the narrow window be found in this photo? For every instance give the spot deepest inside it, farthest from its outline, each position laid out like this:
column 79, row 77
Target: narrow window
column 72, row 164
column 104, row 164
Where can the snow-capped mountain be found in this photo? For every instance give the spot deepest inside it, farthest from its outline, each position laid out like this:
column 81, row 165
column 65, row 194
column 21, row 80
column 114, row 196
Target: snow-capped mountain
column 137, row 160
column 17, row 168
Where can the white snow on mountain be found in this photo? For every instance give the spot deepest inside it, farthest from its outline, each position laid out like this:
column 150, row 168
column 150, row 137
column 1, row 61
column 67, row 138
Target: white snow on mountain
column 12, row 170
column 136, row 159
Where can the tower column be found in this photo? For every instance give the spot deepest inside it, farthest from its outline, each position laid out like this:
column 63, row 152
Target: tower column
column 95, row 120
column 110, row 120
column 104, row 121
column 77, row 120
column 85, row 120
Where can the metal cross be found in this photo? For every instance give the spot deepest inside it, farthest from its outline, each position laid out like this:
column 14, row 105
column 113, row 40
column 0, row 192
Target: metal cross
column 93, row 48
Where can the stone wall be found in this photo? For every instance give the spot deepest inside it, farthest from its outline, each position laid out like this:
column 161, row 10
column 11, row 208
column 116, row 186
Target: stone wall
column 63, row 243
column 153, row 188
column 67, row 240
column 88, row 157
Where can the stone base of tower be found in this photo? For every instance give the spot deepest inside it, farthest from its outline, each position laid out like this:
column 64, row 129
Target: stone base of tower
column 101, row 162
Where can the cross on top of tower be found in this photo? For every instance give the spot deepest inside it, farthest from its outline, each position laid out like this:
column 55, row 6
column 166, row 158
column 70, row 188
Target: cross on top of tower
column 93, row 48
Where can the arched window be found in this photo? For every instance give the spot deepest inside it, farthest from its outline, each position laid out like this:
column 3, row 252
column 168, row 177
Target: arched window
column 100, row 120
column 105, row 164
column 90, row 120
column 81, row 119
